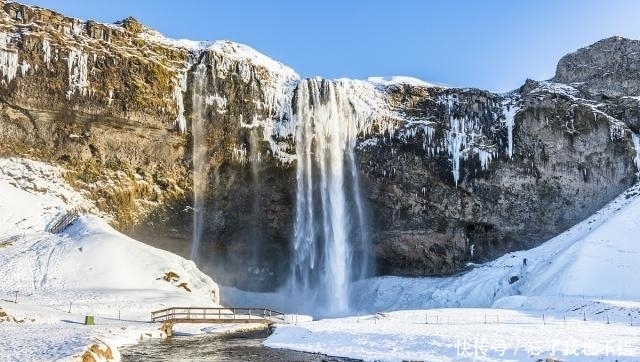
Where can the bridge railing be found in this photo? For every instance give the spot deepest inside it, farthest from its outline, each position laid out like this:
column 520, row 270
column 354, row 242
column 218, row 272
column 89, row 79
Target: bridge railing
column 196, row 314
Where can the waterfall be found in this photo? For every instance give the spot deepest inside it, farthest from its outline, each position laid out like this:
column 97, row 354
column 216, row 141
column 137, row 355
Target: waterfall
column 200, row 169
column 636, row 144
column 329, row 216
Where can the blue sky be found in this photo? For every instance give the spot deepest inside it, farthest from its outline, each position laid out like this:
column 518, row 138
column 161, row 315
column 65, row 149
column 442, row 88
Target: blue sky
column 493, row 44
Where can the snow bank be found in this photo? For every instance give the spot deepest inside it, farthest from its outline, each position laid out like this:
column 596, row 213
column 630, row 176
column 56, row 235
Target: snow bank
column 87, row 269
column 461, row 335
column 398, row 80
column 574, row 298
column 596, row 258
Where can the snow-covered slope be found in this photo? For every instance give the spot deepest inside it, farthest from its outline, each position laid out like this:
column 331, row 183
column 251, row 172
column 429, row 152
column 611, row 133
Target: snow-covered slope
column 596, row 258
column 87, row 269
column 574, row 298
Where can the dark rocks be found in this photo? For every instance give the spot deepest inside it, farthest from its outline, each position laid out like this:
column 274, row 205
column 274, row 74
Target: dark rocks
column 607, row 68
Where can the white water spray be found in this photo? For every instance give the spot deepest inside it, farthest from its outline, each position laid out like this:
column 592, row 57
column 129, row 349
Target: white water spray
column 199, row 154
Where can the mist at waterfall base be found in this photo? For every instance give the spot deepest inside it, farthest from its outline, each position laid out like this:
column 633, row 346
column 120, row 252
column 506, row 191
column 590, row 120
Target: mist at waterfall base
column 329, row 241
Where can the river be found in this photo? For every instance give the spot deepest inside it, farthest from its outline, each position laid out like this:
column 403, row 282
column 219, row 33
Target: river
column 232, row 347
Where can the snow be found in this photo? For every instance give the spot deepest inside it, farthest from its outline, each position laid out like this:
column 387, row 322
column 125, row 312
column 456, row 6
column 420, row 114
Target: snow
column 460, row 335
column 584, row 273
column 88, row 269
column 402, row 80
column 240, row 53
column 557, row 88
column 617, row 128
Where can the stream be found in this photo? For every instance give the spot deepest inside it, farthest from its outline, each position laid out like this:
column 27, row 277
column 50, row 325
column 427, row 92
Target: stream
column 231, row 347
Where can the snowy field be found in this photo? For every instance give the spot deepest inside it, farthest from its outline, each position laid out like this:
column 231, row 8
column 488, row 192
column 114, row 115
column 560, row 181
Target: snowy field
column 539, row 300
column 462, row 335
column 88, row 269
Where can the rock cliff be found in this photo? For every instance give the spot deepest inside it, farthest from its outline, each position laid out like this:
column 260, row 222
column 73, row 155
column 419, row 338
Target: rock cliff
column 449, row 176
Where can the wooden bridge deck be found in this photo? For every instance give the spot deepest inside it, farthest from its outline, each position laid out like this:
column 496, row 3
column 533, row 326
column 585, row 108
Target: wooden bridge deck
column 217, row 315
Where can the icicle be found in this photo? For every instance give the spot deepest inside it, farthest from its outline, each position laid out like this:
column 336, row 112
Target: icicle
column 8, row 58
column 78, row 72
column 24, row 68
column 510, row 111
column 46, row 52
column 180, row 86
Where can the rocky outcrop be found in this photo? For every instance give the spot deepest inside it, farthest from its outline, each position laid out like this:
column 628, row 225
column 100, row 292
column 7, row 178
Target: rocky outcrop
column 448, row 176
column 96, row 99
column 607, row 68
column 568, row 158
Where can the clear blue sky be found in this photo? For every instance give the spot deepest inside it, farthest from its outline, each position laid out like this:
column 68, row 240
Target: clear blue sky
column 491, row 44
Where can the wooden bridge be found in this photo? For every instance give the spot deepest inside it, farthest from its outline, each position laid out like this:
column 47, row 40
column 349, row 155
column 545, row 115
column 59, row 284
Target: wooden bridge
column 171, row 316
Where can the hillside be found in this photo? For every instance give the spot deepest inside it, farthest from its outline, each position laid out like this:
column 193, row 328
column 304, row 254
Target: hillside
column 86, row 269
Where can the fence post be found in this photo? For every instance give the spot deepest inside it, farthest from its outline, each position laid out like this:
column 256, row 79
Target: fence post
column 234, row 313
column 543, row 321
column 485, row 319
column 584, row 316
column 15, row 301
column 564, row 319
column 69, row 306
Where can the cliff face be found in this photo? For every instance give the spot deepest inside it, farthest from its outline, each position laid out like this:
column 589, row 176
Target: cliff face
column 448, row 176
column 97, row 99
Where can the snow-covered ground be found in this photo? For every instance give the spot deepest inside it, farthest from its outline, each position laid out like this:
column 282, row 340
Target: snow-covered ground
column 88, row 269
column 574, row 298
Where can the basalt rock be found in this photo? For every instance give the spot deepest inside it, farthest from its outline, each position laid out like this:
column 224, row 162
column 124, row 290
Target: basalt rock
column 449, row 176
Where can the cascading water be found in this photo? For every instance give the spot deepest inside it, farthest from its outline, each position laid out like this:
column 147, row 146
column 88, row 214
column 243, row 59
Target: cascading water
column 199, row 154
column 329, row 211
column 636, row 144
